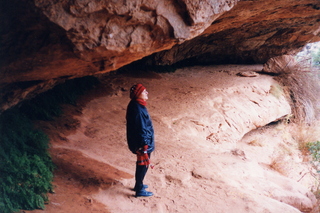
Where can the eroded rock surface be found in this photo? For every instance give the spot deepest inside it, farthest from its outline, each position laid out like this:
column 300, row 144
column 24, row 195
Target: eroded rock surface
column 52, row 40
column 202, row 160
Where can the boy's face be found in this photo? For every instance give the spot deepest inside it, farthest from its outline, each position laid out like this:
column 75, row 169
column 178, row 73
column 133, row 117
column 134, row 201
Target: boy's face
column 144, row 95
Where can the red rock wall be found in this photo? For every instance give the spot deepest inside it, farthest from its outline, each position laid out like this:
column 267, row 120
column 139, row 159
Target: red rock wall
column 47, row 40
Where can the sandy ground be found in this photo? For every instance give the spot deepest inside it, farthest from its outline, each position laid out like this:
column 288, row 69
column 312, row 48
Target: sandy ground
column 194, row 171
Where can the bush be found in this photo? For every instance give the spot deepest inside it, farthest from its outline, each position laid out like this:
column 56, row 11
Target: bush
column 304, row 90
column 25, row 165
column 316, row 58
column 26, row 168
column 314, row 149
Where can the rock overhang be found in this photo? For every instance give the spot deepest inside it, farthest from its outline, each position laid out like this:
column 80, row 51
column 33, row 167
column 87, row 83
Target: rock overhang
column 46, row 41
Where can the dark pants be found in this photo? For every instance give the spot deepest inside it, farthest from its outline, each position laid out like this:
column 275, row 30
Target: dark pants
column 141, row 172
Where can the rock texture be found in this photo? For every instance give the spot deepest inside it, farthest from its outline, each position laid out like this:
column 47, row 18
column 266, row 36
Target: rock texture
column 201, row 163
column 48, row 40
column 251, row 32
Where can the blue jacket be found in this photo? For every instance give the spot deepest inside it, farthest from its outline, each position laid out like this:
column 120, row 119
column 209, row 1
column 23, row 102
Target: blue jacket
column 139, row 127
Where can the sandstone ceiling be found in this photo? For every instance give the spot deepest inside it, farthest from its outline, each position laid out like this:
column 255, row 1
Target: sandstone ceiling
column 46, row 41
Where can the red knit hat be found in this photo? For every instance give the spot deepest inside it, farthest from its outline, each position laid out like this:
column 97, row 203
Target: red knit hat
column 136, row 90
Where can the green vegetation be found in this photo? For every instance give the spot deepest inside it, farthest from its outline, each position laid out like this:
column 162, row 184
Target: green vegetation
column 25, row 165
column 276, row 90
column 314, row 149
column 26, row 169
column 316, row 58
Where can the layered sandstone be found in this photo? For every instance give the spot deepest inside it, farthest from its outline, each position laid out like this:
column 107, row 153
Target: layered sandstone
column 44, row 42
